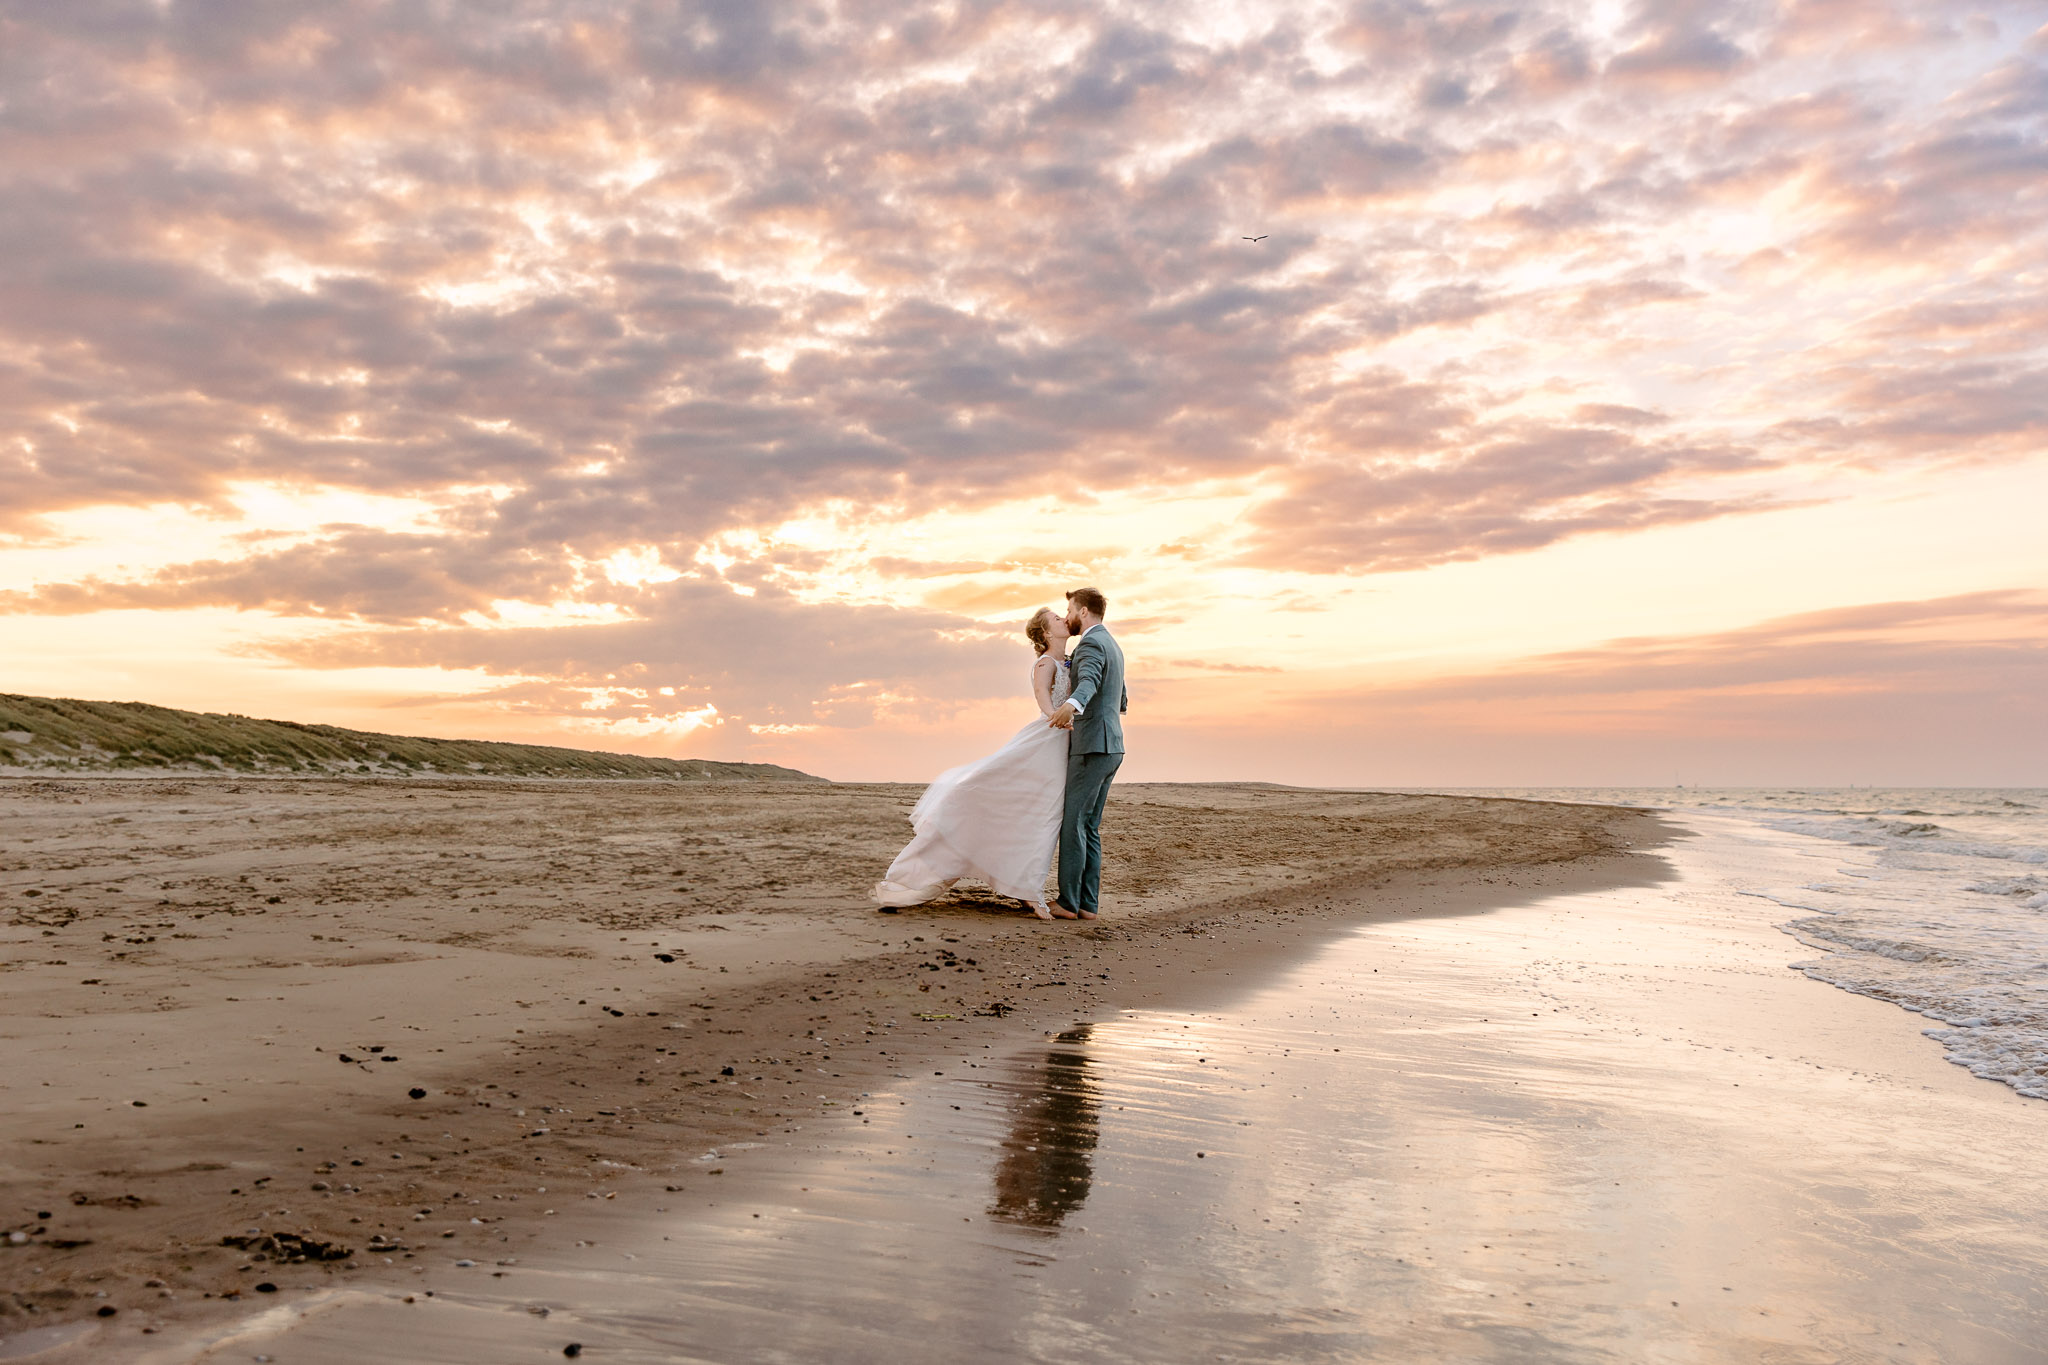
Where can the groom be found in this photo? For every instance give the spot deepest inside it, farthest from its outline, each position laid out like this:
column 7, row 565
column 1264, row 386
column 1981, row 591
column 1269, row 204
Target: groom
column 1094, row 712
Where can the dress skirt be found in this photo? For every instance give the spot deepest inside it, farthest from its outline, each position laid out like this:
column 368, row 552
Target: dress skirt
column 996, row 819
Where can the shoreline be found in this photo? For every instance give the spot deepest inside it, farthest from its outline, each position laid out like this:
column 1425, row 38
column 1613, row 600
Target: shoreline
column 538, row 1052
column 1590, row 1113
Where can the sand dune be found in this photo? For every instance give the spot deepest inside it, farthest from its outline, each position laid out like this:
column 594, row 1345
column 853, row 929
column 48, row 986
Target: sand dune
column 57, row 735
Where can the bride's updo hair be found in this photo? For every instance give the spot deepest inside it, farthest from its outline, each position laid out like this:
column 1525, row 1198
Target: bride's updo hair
column 1034, row 630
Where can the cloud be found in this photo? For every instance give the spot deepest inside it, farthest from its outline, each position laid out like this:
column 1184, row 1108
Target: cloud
column 1205, row 666
column 1988, row 644
column 1678, row 55
column 1487, row 488
column 653, row 278
column 762, row 659
column 352, row 572
column 1947, row 691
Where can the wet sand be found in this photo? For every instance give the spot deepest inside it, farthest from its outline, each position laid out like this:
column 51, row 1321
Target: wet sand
column 1603, row 1123
column 255, row 1024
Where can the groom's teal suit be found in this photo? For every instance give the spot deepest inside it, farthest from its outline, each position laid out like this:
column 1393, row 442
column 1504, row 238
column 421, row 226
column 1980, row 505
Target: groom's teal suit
column 1094, row 753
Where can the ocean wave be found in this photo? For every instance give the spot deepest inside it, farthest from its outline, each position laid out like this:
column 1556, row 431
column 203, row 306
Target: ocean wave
column 1984, row 974
column 2018, row 1056
column 1869, row 831
column 1844, row 933
column 2030, row 892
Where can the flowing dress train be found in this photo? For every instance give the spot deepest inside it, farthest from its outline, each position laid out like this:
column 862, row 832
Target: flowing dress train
column 996, row 819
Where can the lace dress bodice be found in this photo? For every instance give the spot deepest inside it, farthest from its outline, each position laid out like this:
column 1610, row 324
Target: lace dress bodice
column 1062, row 682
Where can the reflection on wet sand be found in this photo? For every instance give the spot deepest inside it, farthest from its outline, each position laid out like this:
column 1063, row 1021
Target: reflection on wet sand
column 1047, row 1165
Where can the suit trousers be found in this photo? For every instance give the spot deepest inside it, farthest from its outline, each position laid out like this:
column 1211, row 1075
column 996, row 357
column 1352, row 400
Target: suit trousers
column 1088, row 778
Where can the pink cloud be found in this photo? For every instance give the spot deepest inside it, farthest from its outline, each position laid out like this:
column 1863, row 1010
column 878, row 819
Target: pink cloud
column 657, row 275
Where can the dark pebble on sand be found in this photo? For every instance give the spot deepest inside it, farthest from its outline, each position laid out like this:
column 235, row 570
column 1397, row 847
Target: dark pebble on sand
column 573, row 1349
column 664, row 957
column 140, row 1104
column 417, row 1093
column 107, row 1310
column 617, row 1014
column 266, row 1288
column 725, row 1071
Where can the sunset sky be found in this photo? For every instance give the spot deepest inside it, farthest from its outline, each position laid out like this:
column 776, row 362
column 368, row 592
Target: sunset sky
column 1620, row 393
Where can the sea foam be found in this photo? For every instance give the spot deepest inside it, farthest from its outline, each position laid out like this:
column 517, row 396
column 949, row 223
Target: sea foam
column 1932, row 915
column 1935, row 905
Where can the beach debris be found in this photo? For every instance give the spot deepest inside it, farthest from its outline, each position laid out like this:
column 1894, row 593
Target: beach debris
column 727, row 1071
column 664, row 957
column 997, row 1009
column 292, row 1247
column 111, row 1201
column 938, row 1016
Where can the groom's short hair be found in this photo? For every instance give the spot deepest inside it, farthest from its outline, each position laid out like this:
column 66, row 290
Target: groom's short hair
column 1090, row 601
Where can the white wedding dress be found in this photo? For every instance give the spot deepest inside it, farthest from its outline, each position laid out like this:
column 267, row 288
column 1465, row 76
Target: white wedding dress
column 996, row 819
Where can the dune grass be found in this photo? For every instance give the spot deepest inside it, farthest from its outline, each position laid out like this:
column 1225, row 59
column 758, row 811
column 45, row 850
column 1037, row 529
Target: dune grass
column 62, row 735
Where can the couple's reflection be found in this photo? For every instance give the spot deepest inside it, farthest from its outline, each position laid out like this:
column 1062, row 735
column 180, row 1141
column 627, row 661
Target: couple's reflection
column 1045, row 1168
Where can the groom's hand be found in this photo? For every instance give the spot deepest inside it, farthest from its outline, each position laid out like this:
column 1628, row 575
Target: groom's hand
column 1062, row 719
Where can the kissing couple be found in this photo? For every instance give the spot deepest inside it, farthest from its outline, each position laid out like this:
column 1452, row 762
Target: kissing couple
column 1000, row 818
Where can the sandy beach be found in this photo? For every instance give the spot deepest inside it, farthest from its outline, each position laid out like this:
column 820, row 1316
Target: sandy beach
column 295, row 1033
column 506, row 510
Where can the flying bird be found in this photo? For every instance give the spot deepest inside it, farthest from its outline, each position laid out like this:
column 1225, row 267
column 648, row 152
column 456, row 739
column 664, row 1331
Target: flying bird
column 1260, row 238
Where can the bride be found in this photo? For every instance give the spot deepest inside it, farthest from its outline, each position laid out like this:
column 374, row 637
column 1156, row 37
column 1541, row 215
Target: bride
column 997, row 818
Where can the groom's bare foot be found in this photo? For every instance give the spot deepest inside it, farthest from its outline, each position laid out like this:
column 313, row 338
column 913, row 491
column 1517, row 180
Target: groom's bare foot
column 1061, row 912
column 1087, row 914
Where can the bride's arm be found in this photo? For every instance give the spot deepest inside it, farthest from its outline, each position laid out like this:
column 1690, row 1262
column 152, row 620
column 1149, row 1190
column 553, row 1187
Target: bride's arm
column 1043, row 674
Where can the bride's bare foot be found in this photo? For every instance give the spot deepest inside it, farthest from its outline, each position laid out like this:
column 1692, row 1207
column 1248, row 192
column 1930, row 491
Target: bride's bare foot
column 1040, row 909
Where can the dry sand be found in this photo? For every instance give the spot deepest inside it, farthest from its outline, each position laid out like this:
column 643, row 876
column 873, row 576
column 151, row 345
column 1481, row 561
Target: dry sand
column 378, row 1015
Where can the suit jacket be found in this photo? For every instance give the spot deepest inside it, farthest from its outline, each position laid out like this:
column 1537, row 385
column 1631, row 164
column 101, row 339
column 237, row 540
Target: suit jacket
column 1098, row 666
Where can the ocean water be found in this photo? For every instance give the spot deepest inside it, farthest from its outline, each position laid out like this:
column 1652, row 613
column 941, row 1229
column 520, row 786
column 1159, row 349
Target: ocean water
column 1939, row 904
